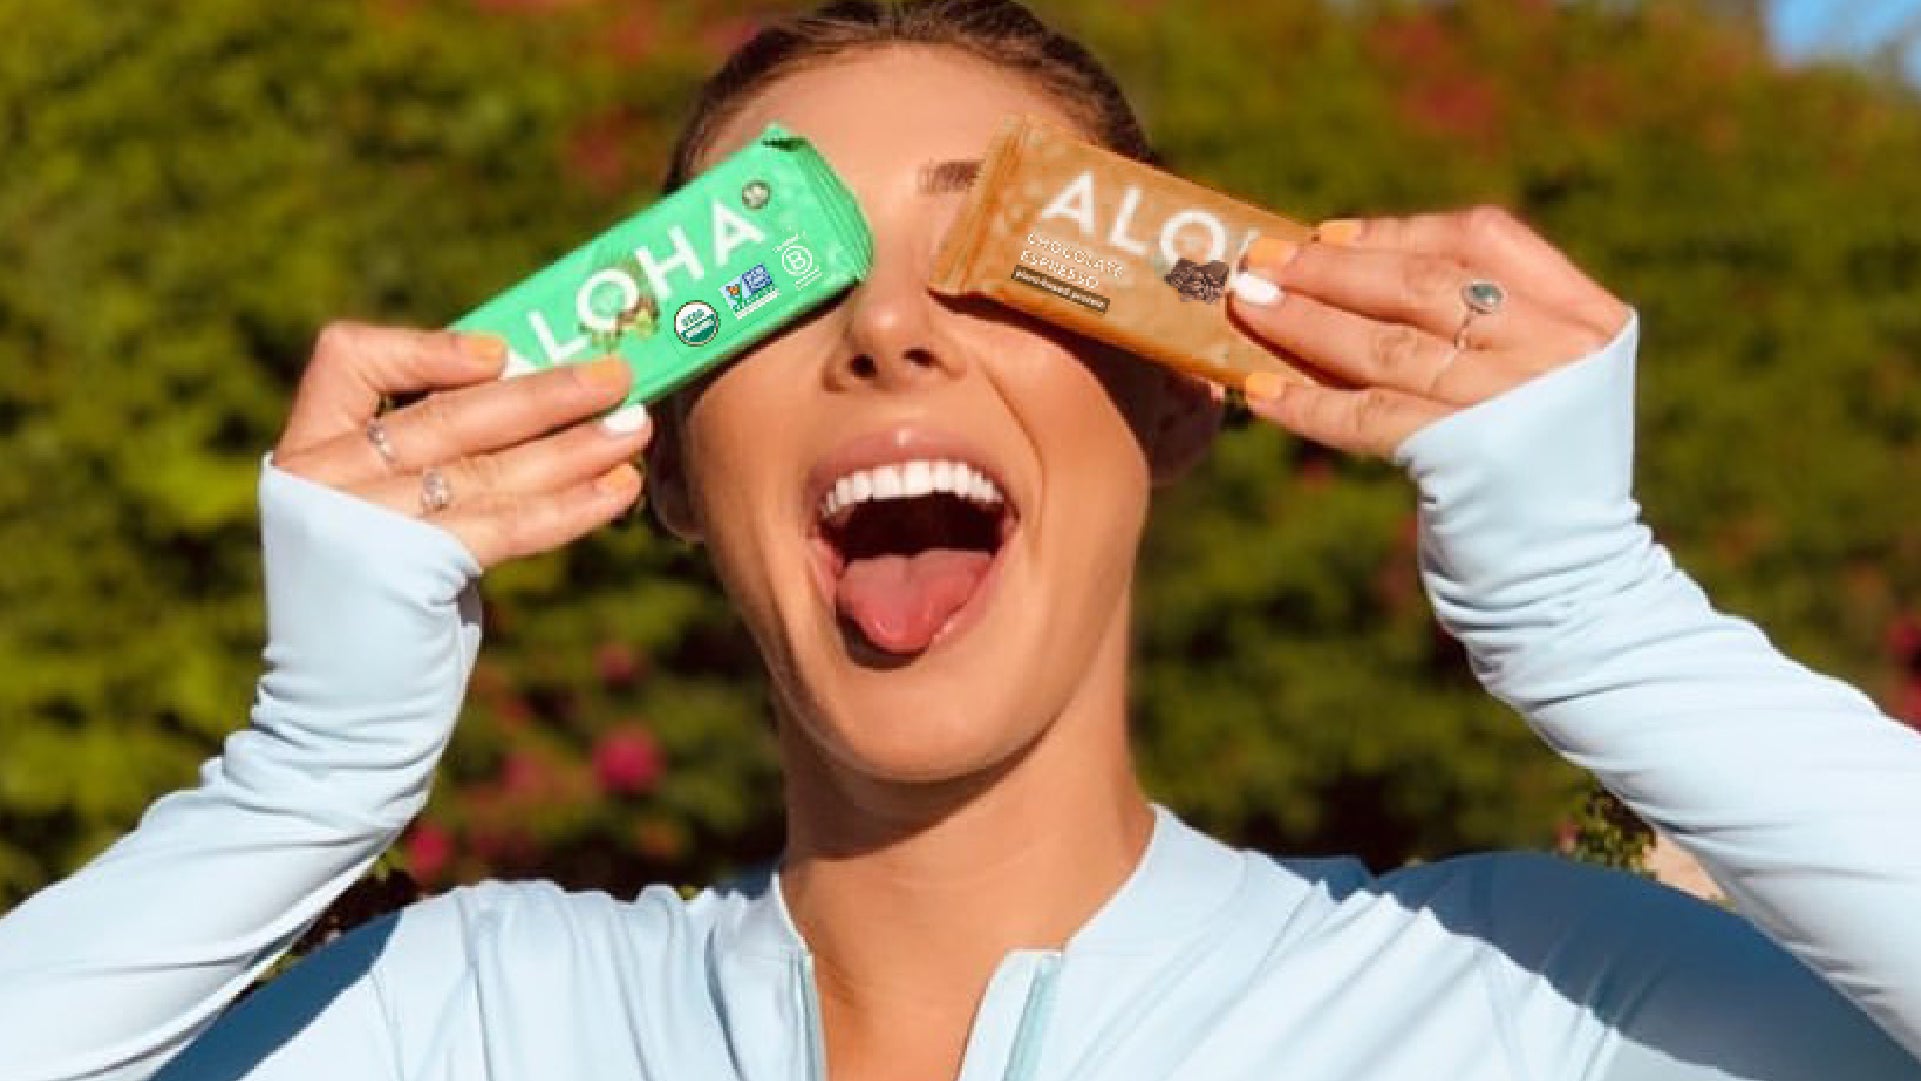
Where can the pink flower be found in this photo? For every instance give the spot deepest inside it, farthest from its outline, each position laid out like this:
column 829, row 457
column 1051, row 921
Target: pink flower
column 617, row 664
column 627, row 760
column 1904, row 639
column 429, row 848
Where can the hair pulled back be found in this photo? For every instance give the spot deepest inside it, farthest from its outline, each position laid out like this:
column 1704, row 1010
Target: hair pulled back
column 1000, row 32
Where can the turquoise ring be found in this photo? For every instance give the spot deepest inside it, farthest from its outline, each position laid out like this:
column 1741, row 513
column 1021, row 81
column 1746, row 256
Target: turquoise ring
column 1482, row 297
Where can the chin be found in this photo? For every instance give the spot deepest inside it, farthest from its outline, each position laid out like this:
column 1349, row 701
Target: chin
column 937, row 747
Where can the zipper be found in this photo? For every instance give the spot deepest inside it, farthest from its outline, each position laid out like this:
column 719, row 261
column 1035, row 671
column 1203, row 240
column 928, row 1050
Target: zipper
column 1022, row 1060
column 810, row 1016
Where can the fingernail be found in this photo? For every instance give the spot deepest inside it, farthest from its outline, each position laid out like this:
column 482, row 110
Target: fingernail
column 626, row 420
column 489, row 350
column 1271, row 253
column 1264, row 386
column 621, row 480
column 605, row 372
column 1257, row 290
column 1339, row 232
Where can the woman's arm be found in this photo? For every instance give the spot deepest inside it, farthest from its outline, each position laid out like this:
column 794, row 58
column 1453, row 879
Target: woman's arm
column 372, row 627
column 372, row 632
column 1513, row 408
column 1795, row 792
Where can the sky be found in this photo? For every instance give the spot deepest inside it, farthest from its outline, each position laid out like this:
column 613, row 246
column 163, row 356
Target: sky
column 1812, row 27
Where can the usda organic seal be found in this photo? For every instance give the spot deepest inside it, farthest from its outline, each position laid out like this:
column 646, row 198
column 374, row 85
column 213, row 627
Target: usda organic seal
column 696, row 322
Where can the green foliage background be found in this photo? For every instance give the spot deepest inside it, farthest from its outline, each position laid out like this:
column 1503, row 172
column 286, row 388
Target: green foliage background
column 188, row 191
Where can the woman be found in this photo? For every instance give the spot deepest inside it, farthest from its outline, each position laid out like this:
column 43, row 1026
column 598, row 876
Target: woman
column 974, row 884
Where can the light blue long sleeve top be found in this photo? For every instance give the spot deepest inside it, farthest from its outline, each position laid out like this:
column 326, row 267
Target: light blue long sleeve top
column 1209, row 963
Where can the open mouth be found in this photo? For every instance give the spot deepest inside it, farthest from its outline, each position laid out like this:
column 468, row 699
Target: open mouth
column 909, row 546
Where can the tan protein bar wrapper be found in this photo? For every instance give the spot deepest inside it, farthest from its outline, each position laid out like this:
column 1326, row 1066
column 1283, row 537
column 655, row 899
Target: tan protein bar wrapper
column 1078, row 235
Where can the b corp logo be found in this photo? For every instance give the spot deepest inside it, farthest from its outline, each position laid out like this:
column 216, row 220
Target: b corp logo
column 797, row 259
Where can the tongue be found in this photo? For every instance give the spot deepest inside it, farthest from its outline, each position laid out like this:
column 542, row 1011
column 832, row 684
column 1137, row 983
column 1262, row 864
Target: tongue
column 901, row 602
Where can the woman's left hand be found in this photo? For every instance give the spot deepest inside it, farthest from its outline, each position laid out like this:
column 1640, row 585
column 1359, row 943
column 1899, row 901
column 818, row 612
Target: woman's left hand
column 1408, row 320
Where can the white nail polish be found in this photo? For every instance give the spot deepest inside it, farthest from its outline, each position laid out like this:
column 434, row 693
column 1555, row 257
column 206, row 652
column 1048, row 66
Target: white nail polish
column 626, row 420
column 1256, row 290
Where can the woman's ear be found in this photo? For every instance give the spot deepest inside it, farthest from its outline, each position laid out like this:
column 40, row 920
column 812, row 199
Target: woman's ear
column 667, row 490
column 1189, row 414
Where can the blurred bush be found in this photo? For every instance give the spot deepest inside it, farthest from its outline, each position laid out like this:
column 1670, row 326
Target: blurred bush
column 187, row 191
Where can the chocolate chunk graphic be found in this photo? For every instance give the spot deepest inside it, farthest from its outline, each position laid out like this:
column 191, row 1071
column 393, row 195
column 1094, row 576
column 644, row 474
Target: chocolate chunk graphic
column 1206, row 283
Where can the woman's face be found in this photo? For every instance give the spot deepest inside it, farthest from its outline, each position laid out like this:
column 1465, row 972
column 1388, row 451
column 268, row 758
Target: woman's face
column 932, row 636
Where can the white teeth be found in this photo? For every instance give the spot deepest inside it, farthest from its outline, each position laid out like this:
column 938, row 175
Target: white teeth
column 909, row 480
column 917, row 478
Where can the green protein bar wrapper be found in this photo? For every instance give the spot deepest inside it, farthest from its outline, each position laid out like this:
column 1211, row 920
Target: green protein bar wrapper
column 743, row 249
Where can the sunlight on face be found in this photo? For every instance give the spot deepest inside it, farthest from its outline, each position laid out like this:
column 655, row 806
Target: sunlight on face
column 932, row 637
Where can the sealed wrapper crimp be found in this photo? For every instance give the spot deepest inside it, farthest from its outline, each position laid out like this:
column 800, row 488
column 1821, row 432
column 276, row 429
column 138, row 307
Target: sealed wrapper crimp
column 1078, row 235
column 745, row 248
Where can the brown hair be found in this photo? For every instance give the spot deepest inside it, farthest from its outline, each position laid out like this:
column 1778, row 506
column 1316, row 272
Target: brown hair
column 1001, row 32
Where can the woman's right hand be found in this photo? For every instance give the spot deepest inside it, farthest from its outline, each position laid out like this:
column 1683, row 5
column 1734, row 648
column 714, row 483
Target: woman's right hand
column 525, row 465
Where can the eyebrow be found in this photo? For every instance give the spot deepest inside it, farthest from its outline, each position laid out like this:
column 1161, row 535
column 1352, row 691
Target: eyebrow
column 948, row 177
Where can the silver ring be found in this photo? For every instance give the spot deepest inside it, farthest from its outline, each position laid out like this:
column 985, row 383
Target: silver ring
column 383, row 443
column 1480, row 297
column 436, row 494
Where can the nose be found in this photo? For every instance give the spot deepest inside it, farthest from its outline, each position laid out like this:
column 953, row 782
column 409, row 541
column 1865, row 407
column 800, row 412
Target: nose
column 895, row 337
